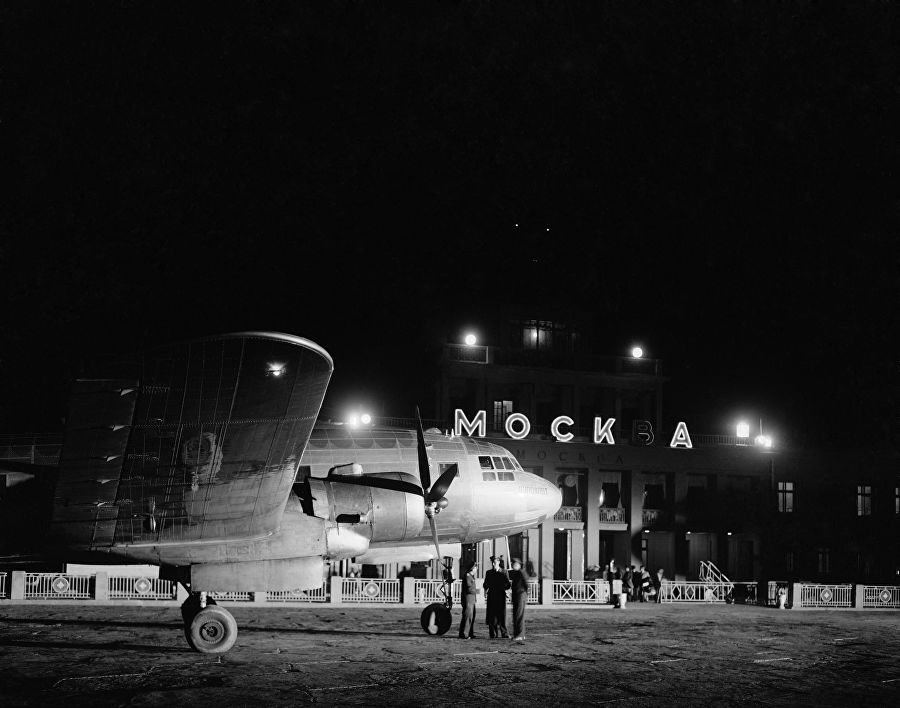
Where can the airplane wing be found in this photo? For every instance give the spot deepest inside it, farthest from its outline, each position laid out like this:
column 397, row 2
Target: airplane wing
column 191, row 442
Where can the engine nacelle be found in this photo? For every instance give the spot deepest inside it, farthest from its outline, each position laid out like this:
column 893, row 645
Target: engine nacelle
column 386, row 506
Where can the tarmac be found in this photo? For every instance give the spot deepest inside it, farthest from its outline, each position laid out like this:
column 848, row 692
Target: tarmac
column 644, row 655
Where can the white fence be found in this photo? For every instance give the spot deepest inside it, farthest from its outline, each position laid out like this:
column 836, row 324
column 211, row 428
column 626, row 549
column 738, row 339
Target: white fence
column 370, row 590
column 58, row 586
column 885, row 596
column 19, row 586
column 319, row 594
column 825, row 596
column 427, row 591
column 128, row 588
column 580, row 592
column 684, row 591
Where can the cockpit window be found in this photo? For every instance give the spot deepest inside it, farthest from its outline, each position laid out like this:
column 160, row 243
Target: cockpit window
column 506, row 476
column 507, row 464
column 498, row 463
column 485, row 462
column 489, row 476
column 518, row 466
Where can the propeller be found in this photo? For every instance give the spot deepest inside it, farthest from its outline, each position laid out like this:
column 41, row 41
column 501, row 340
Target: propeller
column 434, row 494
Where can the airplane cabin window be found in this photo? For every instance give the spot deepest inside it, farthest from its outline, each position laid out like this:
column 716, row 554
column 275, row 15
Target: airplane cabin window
column 489, row 476
column 485, row 462
column 507, row 464
column 506, row 476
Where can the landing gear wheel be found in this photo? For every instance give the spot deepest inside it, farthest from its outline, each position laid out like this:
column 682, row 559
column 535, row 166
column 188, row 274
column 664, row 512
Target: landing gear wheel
column 189, row 610
column 436, row 619
column 213, row 630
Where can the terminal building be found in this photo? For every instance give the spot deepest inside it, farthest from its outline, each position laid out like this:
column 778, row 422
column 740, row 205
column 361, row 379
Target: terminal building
column 669, row 497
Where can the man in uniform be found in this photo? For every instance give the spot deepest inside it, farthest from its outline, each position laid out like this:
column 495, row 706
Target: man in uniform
column 468, row 594
column 496, row 583
column 519, row 581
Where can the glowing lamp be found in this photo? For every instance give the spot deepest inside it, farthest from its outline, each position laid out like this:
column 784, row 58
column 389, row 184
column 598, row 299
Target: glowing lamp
column 470, row 339
column 637, row 352
column 365, row 419
column 743, row 430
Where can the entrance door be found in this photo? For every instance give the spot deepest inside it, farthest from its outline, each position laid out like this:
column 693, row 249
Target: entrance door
column 562, row 555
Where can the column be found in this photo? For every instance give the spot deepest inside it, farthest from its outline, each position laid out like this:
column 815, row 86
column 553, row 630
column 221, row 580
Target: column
column 101, row 586
column 336, row 596
column 577, row 545
column 592, row 518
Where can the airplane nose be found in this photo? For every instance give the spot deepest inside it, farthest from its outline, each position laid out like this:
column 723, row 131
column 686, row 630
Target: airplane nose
column 551, row 502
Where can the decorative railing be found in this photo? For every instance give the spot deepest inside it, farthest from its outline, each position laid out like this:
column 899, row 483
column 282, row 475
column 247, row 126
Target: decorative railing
column 609, row 515
column 885, row 596
column 128, row 588
column 427, row 591
column 825, row 596
column 319, row 594
column 568, row 513
column 370, row 590
column 57, row 586
column 232, row 596
column 684, row 591
column 595, row 592
column 652, row 517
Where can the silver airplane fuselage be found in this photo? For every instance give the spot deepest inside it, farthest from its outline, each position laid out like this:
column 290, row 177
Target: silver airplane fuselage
column 491, row 496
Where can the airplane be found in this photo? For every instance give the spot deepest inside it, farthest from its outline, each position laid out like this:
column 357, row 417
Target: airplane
column 203, row 458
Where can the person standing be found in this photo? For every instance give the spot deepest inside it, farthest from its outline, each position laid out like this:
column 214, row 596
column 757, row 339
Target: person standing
column 657, row 584
column 627, row 587
column 645, row 584
column 468, row 594
column 496, row 583
column 518, row 580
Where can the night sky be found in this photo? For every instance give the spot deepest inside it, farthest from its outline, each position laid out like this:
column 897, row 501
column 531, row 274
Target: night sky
column 719, row 183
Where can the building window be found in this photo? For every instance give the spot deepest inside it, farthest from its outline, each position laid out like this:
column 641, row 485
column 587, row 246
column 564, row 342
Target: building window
column 897, row 500
column 786, row 497
column 824, row 561
column 789, row 561
column 502, row 411
column 863, row 500
column 645, row 551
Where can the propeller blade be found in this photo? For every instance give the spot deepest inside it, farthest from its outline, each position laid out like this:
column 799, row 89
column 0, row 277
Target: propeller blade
column 424, row 468
column 440, row 487
column 434, row 536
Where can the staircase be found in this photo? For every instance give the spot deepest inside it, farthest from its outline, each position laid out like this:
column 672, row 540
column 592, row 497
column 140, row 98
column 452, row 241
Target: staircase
column 712, row 576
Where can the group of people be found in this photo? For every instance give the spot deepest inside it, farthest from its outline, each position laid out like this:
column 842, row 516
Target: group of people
column 637, row 585
column 496, row 582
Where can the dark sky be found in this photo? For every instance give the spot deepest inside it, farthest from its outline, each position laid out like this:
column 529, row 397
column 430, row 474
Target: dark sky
column 720, row 183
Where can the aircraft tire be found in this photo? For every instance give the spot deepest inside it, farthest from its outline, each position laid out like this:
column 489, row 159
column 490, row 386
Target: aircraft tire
column 436, row 619
column 212, row 631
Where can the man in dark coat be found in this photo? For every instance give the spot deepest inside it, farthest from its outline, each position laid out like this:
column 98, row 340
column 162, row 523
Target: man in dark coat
column 496, row 583
column 468, row 594
column 519, row 582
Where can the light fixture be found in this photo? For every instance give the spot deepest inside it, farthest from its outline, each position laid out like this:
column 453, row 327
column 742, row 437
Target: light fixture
column 275, row 369
column 365, row 419
column 743, row 429
column 763, row 440
column 470, row 339
column 637, row 352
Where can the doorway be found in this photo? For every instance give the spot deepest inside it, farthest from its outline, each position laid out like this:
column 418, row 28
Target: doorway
column 562, row 555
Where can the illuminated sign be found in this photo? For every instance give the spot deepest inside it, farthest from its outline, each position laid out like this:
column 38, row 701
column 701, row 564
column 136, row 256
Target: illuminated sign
column 517, row 427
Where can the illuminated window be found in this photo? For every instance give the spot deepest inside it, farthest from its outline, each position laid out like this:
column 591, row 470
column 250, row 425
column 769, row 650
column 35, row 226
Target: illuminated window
column 786, row 497
column 863, row 500
column 485, row 462
column 502, row 411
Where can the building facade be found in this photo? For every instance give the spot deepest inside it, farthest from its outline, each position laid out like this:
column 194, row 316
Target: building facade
column 662, row 498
